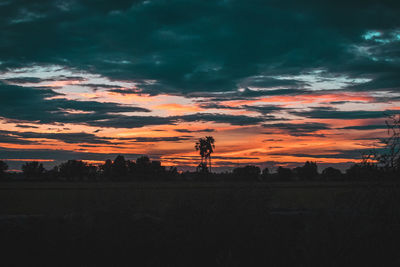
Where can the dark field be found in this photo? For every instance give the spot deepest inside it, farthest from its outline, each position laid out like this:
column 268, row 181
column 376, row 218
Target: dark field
column 200, row 224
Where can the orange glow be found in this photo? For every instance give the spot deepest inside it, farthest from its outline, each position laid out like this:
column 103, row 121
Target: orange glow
column 178, row 108
column 303, row 99
column 62, row 83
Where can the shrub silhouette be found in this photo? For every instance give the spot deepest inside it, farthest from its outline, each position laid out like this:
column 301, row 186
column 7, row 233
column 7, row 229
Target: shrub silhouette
column 3, row 168
column 106, row 169
column 331, row 173
column 248, row 173
column 119, row 168
column 75, row 170
column 307, row 172
column 33, row 169
column 363, row 171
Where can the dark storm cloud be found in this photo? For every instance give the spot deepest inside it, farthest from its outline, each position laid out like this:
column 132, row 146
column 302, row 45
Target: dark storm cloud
column 26, row 126
column 6, row 137
column 204, row 46
column 32, row 104
column 224, row 118
column 299, row 129
column 72, row 138
column 14, row 137
column 333, row 113
column 194, row 131
column 345, row 154
column 266, row 109
column 112, row 88
column 140, row 121
column 161, row 139
column 258, row 93
column 213, row 105
column 365, row 127
column 23, row 80
column 267, row 82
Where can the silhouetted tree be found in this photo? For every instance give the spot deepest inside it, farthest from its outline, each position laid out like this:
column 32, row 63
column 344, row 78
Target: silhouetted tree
column 92, row 172
column 307, row 172
column 106, row 169
column 74, row 170
column 387, row 158
column 156, row 170
column 201, row 147
column 3, row 169
column 143, row 161
column 119, row 168
column 33, row 169
column 284, row 174
column 53, row 174
column 363, row 171
column 209, row 148
column 143, row 165
column 205, row 146
column 331, row 173
column 132, row 169
column 249, row 173
column 390, row 157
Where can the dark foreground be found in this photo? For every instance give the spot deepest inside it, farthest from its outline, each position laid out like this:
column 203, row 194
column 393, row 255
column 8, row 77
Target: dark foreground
column 200, row 224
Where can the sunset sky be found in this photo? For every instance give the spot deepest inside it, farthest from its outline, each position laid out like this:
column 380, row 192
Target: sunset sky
column 274, row 82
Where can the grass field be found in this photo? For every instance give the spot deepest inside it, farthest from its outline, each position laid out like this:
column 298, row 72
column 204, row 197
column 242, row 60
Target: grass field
column 199, row 224
column 61, row 198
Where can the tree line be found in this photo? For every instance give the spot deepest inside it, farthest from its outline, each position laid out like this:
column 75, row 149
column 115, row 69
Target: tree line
column 119, row 169
column 144, row 169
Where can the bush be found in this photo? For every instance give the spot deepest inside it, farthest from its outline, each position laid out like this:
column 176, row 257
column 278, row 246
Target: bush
column 33, row 169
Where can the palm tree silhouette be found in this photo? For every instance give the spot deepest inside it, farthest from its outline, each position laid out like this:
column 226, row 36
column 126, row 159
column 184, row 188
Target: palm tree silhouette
column 206, row 147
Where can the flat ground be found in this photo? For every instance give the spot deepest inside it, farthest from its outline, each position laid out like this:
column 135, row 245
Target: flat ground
column 200, row 224
column 42, row 198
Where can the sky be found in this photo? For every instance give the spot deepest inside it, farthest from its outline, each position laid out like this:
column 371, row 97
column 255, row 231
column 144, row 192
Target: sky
column 276, row 83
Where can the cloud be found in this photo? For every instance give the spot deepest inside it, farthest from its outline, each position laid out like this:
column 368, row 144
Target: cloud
column 159, row 139
column 333, row 113
column 224, row 118
column 81, row 138
column 194, row 131
column 204, row 46
column 39, row 105
column 299, row 129
column 6, row 137
column 342, row 154
column 365, row 127
column 26, row 126
column 72, row 138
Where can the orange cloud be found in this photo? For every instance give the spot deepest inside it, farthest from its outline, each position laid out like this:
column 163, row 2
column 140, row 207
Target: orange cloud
column 178, row 108
column 304, row 99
